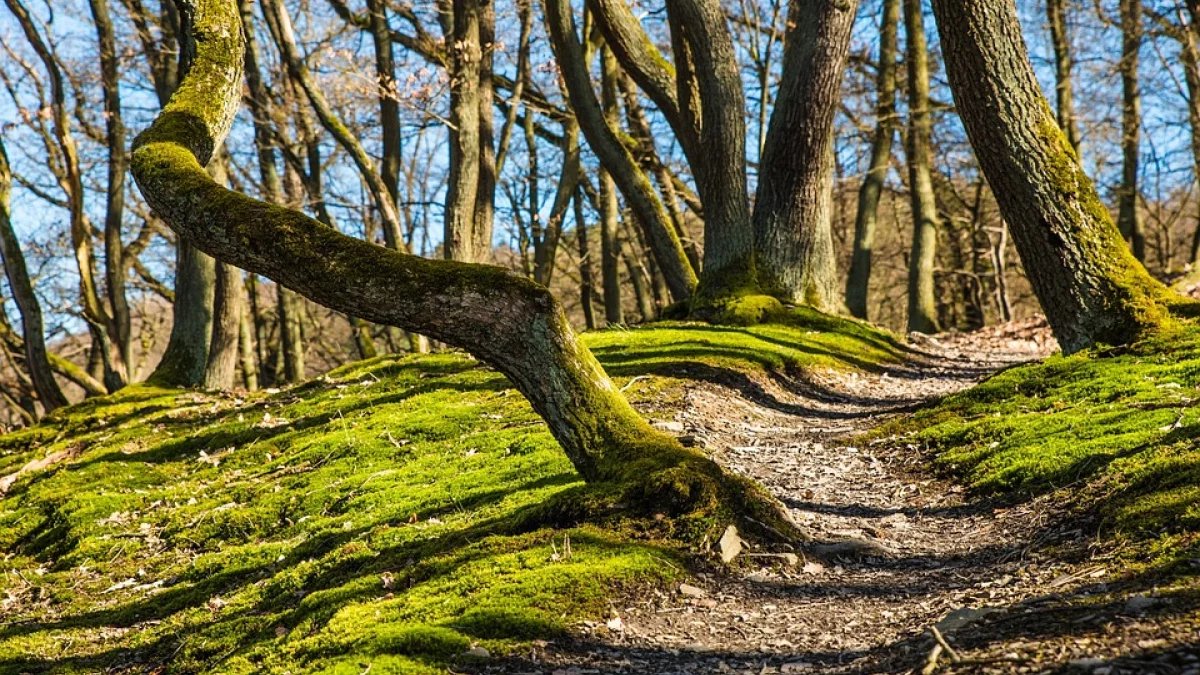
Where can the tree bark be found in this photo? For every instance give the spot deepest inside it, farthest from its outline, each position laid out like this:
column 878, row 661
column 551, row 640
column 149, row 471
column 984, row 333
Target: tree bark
column 859, row 278
column 922, row 305
column 505, row 320
column 793, row 211
column 472, row 181
column 228, row 308
column 1129, row 218
column 1190, row 56
column 1064, row 64
column 37, row 362
column 1091, row 287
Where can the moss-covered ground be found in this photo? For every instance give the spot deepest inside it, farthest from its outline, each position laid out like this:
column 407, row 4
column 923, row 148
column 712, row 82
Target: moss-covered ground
column 1117, row 431
column 383, row 516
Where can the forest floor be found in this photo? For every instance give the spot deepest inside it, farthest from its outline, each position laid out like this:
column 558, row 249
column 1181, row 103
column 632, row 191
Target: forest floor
column 965, row 581
column 1042, row 514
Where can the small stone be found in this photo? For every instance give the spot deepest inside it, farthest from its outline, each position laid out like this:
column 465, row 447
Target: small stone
column 616, row 624
column 692, row 591
column 671, row 427
column 478, row 652
column 1138, row 604
column 731, row 544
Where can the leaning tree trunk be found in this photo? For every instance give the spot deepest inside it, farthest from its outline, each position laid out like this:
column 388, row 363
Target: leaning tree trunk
column 1091, row 287
column 793, row 213
column 37, row 362
column 1129, row 219
column 506, row 321
column 858, row 281
column 922, row 304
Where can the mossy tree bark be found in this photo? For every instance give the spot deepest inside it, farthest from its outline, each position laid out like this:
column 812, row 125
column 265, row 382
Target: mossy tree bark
column 1091, row 287
column 858, row 281
column 922, row 305
column 1129, row 218
column 37, row 361
column 505, row 320
column 793, row 211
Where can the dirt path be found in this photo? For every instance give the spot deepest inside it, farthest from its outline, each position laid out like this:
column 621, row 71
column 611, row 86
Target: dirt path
column 952, row 559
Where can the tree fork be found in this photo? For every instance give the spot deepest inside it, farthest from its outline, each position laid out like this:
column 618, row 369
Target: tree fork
column 504, row 320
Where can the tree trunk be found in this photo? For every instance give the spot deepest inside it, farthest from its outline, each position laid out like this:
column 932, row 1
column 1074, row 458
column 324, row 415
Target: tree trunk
column 1064, row 64
column 248, row 349
column 389, row 99
column 37, row 361
column 610, row 245
column 1090, row 286
column 1129, row 219
column 1190, row 56
column 472, row 180
column 114, row 254
column 228, row 308
column 184, row 361
column 586, row 288
column 859, row 279
column 793, row 211
column 712, row 104
column 506, row 321
column 922, row 305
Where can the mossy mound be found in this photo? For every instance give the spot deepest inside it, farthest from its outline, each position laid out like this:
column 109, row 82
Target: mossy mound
column 1120, row 428
column 392, row 513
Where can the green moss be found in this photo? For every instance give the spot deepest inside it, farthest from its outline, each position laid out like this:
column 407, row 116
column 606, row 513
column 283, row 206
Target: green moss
column 393, row 512
column 1120, row 430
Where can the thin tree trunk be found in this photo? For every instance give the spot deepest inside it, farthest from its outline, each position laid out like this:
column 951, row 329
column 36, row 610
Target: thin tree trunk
column 1064, row 64
column 389, row 100
column 1129, row 219
column 610, row 245
column 859, row 278
column 37, row 362
column 114, row 254
column 1190, row 56
column 1090, row 286
column 793, row 212
column 922, row 305
column 248, row 350
column 586, row 288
